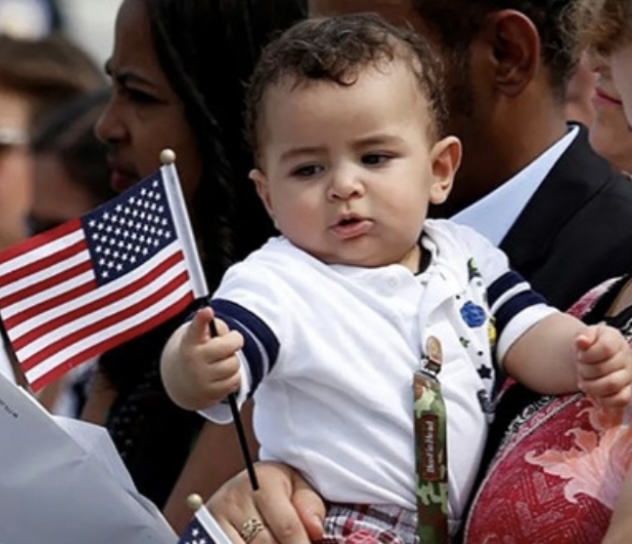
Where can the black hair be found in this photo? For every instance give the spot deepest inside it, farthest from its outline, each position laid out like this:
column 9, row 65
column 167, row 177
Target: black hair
column 457, row 22
column 207, row 49
column 335, row 49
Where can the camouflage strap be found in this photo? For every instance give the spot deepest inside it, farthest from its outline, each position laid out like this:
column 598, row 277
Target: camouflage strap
column 431, row 449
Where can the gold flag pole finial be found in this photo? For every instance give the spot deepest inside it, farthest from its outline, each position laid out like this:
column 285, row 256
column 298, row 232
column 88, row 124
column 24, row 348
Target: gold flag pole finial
column 167, row 156
column 194, row 501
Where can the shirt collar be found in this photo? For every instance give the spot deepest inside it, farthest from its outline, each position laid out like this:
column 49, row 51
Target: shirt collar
column 513, row 196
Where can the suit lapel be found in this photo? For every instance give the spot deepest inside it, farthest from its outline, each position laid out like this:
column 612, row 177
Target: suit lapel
column 576, row 178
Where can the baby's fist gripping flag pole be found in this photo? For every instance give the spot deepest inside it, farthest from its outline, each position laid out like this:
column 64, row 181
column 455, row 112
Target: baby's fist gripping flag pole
column 183, row 226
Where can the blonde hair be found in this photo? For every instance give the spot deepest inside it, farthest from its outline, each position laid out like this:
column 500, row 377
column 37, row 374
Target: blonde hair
column 604, row 25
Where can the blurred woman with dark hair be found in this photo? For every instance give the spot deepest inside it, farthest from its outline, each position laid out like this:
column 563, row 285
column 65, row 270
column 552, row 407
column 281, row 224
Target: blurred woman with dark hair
column 178, row 70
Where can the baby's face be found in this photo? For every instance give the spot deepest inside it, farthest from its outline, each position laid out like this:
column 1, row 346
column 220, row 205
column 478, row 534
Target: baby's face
column 348, row 171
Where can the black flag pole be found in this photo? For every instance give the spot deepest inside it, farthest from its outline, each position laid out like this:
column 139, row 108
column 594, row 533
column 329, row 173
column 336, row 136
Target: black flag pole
column 239, row 427
column 182, row 225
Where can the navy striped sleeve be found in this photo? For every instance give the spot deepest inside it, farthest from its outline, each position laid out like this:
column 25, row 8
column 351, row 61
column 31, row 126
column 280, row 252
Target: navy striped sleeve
column 509, row 295
column 261, row 346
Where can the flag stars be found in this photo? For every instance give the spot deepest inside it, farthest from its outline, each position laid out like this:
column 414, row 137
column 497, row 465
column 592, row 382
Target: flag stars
column 124, row 234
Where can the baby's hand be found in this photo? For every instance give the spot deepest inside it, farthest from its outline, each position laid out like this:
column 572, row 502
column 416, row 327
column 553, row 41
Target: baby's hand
column 604, row 366
column 199, row 370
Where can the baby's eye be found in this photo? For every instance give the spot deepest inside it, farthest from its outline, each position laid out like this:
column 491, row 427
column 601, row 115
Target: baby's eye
column 374, row 159
column 307, row 171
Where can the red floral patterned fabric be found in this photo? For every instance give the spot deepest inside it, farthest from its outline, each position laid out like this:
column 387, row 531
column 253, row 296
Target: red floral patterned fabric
column 556, row 476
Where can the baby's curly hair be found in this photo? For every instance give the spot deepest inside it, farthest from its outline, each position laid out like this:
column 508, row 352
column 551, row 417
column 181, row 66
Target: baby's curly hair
column 336, row 49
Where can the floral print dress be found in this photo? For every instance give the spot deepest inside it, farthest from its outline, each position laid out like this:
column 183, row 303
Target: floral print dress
column 558, row 472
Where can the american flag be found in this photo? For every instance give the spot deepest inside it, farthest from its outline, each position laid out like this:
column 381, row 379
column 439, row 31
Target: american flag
column 203, row 529
column 76, row 291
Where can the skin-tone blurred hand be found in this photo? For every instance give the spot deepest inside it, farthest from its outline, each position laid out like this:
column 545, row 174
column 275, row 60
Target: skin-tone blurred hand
column 291, row 510
column 604, row 366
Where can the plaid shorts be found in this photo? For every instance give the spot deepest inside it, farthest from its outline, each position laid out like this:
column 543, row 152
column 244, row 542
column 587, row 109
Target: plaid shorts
column 365, row 524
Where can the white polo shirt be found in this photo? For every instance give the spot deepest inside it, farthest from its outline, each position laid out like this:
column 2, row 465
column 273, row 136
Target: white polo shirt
column 331, row 351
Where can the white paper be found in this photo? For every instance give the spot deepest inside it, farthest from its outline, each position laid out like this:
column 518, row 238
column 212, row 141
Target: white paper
column 6, row 369
column 62, row 482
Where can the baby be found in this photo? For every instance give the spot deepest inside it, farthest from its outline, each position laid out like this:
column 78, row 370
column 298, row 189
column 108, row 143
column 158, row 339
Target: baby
column 328, row 324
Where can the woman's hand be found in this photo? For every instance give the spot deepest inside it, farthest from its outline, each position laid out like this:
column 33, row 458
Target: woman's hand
column 284, row 510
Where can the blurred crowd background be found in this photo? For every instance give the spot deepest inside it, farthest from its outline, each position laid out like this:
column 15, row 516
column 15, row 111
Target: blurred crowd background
column 88, row 22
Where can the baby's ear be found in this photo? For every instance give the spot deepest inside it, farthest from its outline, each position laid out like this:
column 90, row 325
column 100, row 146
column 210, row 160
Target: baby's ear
column 446, row 158
column 261, row 183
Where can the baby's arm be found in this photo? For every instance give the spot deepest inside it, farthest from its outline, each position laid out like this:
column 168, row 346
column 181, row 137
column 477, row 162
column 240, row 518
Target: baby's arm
column 560, row 354
column 199, row 371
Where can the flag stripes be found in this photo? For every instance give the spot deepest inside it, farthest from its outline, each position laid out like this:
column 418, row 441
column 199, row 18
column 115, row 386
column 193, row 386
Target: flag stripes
column 95, row 282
